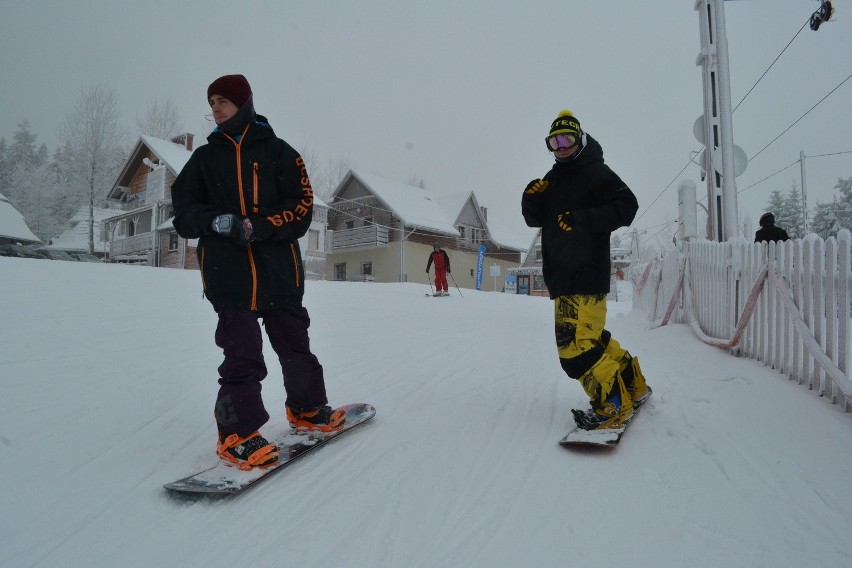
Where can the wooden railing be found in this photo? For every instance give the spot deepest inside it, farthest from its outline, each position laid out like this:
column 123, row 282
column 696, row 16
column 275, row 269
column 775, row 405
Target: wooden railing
column 128, row 245
column 370, row 236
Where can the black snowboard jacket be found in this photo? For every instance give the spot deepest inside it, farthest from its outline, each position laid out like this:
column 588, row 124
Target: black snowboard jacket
column 260, row 177
column 592, row 201
column 770, row 233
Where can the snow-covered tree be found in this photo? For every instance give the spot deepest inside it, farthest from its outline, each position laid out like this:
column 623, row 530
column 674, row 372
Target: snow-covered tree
column 776, row 202
column 36, row 192
column 787, row 210
column 25, row 178
column 844, row 187
column 160, row 120
column 325, row 177
column 24, row 149
column 5, row 169
column 826, row 220
column 793, row 217
column 92, row 149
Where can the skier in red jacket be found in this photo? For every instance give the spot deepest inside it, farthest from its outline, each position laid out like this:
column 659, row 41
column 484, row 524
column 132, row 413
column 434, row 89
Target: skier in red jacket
column 442, row 268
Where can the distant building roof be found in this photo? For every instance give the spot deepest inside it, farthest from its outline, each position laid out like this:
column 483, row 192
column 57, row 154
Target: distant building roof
column 12, row 224
column 413, row 205
column 171, row 154
column 76, row 237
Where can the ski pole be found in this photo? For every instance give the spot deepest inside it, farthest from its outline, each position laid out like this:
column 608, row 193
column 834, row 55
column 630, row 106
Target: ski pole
column 456, row 285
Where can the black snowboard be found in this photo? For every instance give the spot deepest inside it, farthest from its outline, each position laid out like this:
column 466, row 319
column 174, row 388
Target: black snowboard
column 603, row 438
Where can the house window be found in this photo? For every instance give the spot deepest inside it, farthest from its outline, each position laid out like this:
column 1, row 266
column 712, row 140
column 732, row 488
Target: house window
column 340, row 271
column 173, row 241
column 368, row 221
column 350, row 224
column 538, row 256
column 367, row 268
column 313, row 239
column 461, row 232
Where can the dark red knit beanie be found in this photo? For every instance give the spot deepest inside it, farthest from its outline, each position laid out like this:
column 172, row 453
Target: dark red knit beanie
column 235, row 88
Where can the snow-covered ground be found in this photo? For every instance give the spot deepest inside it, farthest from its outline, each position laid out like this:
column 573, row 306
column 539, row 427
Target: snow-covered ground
column 109, row 375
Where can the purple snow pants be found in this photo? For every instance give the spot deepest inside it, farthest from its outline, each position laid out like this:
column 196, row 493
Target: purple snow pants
column 239, row 406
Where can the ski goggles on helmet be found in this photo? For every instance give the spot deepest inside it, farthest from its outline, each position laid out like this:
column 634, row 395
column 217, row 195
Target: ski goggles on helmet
column 558, row 141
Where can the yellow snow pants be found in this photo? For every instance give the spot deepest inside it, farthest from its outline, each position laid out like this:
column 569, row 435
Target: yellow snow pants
column 588, row 353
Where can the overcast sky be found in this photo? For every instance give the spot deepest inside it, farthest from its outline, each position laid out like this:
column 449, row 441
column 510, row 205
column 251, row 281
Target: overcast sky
column 459, row 94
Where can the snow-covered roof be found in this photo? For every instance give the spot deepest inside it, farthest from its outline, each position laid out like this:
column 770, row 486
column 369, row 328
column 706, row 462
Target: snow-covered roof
column 513, row 240
column 453, row 204
column 175, row 156
column 76, row 237
column 12, row 224
column 413, row 205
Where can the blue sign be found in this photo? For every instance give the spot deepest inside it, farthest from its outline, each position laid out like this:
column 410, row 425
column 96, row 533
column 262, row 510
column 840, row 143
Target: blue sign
column 480, row 264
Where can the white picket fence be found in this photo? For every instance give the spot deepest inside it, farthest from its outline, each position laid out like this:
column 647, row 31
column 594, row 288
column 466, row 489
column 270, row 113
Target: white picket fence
column 785, row 304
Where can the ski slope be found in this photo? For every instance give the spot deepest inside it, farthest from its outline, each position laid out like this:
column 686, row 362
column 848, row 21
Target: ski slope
column 109, row 377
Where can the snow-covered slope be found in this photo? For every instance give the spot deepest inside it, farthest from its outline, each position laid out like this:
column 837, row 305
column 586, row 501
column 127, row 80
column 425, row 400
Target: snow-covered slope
column 108, row 377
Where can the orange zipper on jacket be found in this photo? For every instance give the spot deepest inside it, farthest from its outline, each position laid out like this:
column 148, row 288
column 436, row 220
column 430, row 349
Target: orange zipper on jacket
column 253, row 278
column 295, row 264
column 203, row 281
column 256, row 188
column 238, row 148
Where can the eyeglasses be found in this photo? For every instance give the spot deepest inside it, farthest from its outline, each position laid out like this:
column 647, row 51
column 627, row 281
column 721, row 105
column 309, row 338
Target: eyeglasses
column 558, row 141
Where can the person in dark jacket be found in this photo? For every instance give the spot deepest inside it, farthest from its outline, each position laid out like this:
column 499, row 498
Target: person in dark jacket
column 578, row 204
column 247, row 198
column 442, row 268
column 768, row 231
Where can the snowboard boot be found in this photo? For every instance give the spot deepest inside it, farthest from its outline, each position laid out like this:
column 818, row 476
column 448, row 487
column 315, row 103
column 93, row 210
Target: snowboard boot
column 322, row 419
column 614, row 412
column 634, row 381
column 247, row 453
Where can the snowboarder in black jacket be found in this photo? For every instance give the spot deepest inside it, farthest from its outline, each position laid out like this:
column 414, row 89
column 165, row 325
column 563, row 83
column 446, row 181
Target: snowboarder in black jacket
column 768, row 231
column 578, row 204
column 247, row 198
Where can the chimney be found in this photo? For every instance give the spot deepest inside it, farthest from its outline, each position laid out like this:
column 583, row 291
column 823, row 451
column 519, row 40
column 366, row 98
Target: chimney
column 184, row 140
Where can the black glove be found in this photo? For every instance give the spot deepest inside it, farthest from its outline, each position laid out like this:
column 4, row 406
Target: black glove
column 565, row 221
column 262, row 228
column 536, row 186
column 233, row 227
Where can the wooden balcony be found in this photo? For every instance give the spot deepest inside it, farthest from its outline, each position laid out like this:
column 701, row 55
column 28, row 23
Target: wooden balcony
column 136, row 244
column 372, row 236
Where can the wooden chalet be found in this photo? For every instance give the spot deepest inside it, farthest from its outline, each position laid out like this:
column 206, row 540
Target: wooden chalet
column 142, row 231
column 383, row 231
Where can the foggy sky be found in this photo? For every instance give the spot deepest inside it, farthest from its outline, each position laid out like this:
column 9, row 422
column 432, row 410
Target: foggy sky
column 458, row 94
